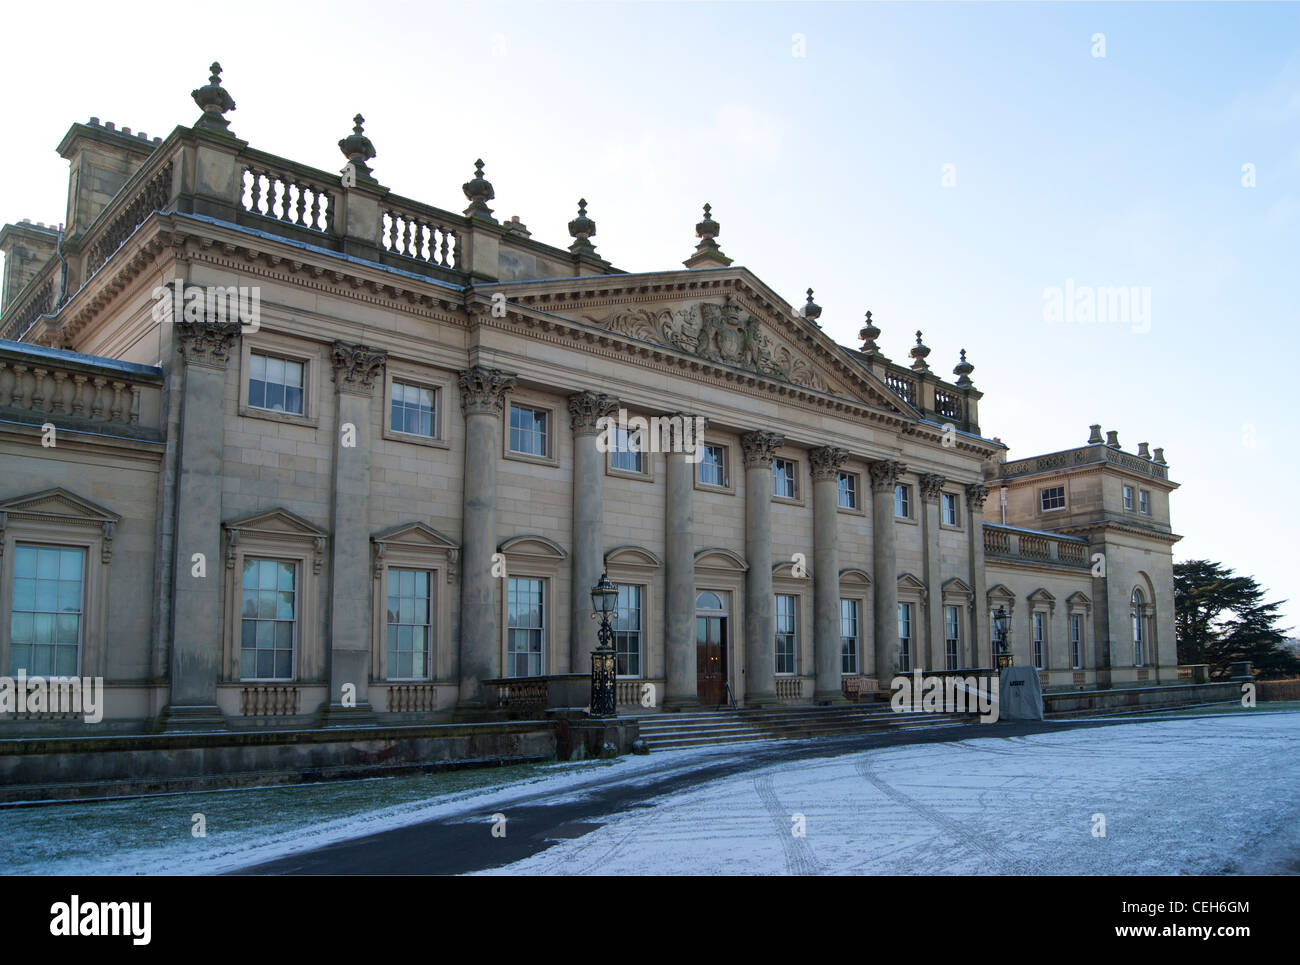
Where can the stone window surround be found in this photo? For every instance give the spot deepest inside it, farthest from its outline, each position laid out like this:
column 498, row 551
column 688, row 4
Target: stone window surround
column 1038, row 499
column 534, row 565
column 856, row 586
column 913, row 517
column 791, row 589
column 795, row 463
column 1078, row 605
column 860, row 509
column 632, row 566
column 88, row 535
column 999, row 596
column 955, row 592
column 911, row 590
column 309, row 354
column 259, row 541
column 530, row 400
column 727, row 470
column 1040, row 601
column 1144, row 496
column 401, row 551
column 960, row 525
column 408, row 374
column 646, row 474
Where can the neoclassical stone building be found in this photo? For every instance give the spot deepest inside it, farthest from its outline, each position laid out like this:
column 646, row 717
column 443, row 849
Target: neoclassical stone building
column 383, row 486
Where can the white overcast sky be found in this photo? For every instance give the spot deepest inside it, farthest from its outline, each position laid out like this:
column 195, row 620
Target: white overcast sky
column 820, row 134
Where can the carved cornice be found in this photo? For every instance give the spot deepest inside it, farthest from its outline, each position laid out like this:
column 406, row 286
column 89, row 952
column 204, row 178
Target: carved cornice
column 760, row 447
column 884, row 474
column 356, row 367
column 931, row 486
column 826, row 462
column 483, row 390
column 586, row 409
column 976, row 494
column 206, row 343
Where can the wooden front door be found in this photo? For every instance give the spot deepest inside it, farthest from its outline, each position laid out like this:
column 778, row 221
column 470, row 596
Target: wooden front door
column 711, row 660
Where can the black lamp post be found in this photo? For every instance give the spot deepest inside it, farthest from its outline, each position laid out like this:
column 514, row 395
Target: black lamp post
column 1000, row 633
column 604, row 599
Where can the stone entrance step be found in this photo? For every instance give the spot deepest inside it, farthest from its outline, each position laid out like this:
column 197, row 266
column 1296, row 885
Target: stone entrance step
column 669, row 731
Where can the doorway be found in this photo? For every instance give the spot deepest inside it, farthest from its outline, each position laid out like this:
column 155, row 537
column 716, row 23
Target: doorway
column 711, row 648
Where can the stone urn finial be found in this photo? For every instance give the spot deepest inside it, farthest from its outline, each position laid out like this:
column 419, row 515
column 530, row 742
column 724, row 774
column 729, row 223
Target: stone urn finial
column 811, row 310
column 707, row 253
column 963, row 369
column 358, row 149
column 582, row 228
column 869, row 332
column 479, row 191
column 919, row 352
column 215, row 101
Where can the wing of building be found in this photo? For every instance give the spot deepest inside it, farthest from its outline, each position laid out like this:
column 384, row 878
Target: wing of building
column 281, row 444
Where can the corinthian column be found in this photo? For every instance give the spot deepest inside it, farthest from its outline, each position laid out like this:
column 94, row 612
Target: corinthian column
column 482, row 394
column 586, row 409
column 195, row 664
column 760, row 638
column 827, row 644
column 679, row 565
column 355, row 369
column 980, row 638
column 931, row 491
column 884, row 476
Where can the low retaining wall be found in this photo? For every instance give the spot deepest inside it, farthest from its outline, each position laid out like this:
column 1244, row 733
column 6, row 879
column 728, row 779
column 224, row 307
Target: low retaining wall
column 51, row 769
column 1075, row 703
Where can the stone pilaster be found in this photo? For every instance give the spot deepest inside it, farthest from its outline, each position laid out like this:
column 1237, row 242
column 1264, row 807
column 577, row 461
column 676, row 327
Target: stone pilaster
column 826, row 463
column 884, row 476
column 586, row 410
column 197, row 618
column 760, row 630
column 931, row 495
column 356, row 369
column 482, row 393
column 980, row 634
column 679, row 578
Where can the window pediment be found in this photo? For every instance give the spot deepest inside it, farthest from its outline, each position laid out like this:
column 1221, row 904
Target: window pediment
column 533, row 547
column 717, row 558
column 632, row 556
column 61, row 507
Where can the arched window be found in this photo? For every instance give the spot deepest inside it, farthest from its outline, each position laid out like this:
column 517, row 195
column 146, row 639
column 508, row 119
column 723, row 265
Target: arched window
column 1139, row 629
column 708, row 601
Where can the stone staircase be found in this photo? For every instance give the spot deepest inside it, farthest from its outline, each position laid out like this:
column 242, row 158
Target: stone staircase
column 668, row 731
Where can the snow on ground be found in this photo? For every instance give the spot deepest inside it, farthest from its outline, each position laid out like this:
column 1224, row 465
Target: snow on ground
column 1180, row 796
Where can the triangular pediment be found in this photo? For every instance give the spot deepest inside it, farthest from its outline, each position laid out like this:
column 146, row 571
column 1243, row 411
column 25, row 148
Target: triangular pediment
column 58, row 503
column 1078, row 600
column 415, row 534
column 957, row 587
column 1000, row 592
column 731, row 330
column 1041, row 596
column 279, row 521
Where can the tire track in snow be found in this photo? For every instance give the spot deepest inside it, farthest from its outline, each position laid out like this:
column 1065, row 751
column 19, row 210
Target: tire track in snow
column 1002, row 861
column 799, row 858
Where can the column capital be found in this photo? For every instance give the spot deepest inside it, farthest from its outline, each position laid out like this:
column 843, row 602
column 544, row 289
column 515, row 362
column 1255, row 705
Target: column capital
column 586, row 409
column 976, row 493
column 356, row 367
column 206, row 343
column 483, row 390
column 759, row 447
column 931, row 486
column 826, row 461
column 885, row 473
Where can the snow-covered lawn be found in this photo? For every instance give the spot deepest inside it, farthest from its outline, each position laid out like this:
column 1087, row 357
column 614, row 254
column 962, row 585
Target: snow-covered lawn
column 1195, row 796
column 1181, row 794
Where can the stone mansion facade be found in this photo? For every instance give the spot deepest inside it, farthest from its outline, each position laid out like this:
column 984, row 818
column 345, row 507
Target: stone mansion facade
column 281, row 446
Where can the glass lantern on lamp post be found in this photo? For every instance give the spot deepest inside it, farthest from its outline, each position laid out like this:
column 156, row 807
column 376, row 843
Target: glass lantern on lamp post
column 604, row 599
column 1000, row 622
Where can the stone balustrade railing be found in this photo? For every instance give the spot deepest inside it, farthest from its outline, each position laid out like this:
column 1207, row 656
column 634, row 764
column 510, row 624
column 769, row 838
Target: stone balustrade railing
column 1033, row 546
column 412, row 698
column 630, row 692
column 269, row 700
column 287, row 194
column 793, row 688
column 39, row 385
column 421, row 232
column 1083, row 456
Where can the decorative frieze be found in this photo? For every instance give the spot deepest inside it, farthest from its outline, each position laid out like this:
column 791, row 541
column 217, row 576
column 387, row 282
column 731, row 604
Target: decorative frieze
column 356, row 367
column 827, row 461
column 483, row 390
column 885, row 474
column 586, row 409
column 760, row 447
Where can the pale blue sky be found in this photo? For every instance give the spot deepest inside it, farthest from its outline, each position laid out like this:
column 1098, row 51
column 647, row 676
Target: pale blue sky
column 824, row 170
